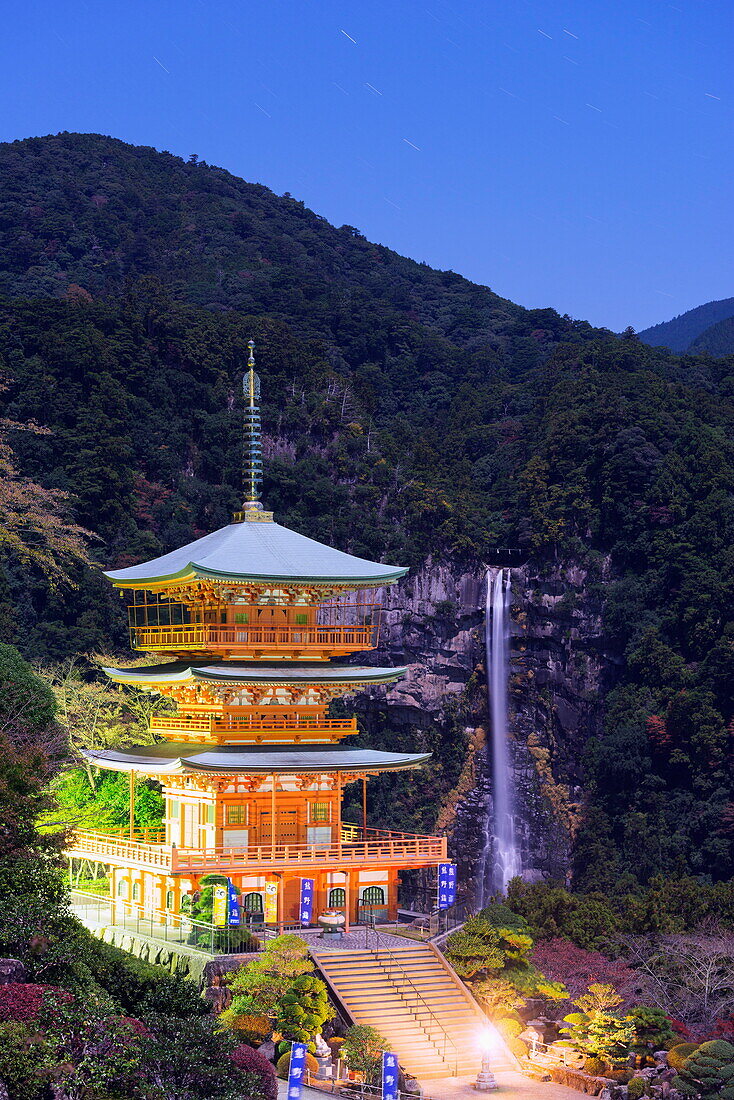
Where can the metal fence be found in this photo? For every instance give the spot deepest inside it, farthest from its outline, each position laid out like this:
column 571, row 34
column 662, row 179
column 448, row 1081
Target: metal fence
column 97, row 911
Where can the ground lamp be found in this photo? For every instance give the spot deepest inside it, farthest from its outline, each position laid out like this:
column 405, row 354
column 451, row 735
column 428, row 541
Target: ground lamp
column 488, row 1045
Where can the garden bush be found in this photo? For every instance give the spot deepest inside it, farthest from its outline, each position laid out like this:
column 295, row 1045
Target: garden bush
column 253, row 1062
column 636, row 1088
column 708, row 1072
column 284, row 1064
column 680, row 1053
column 362, row 1050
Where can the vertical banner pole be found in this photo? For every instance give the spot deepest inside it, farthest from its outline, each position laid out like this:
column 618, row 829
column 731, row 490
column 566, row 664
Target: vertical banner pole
column 389, row 1076
column 296, row 1071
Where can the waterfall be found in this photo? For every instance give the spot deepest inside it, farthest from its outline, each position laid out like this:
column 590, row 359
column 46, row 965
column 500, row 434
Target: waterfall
column 501, row 857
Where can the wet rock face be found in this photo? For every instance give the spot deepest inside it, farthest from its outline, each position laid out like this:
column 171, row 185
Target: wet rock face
column 433, row 622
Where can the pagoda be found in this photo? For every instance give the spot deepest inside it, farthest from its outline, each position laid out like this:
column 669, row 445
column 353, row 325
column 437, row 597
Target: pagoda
column 245, row 624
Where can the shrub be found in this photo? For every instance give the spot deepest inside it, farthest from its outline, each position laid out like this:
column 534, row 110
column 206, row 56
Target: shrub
column 22, row 1061
column 509, row 1028
column 284, row 1065
column 679, row 1054
column 22, row 1001
column 636, row 1088
column 253, row 1062
column 596, row 1067
column 708, row 1072
column 362, row 1050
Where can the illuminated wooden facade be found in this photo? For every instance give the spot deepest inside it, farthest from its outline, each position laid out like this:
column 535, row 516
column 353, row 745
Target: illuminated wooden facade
column 252, row 765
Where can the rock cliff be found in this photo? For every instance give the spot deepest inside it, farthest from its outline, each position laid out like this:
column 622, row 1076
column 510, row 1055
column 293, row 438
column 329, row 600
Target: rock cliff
column 434, row 623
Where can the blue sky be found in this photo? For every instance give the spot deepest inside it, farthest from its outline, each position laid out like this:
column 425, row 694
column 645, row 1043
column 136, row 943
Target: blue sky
column 573, row 153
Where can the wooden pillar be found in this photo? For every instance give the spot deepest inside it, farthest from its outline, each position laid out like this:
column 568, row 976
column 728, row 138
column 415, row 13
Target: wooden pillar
column 347, row 901
column 132, row 805
column 281, row 904
column 339, row 814
column 272, row 815
column 364, row 807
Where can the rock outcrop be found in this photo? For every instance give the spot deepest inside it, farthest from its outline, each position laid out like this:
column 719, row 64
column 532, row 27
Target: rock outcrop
column 434, row 623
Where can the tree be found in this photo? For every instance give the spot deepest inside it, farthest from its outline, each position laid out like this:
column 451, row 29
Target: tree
column 362, row 1050
column 260, row 984
column 689, row 976
column 596, row 1030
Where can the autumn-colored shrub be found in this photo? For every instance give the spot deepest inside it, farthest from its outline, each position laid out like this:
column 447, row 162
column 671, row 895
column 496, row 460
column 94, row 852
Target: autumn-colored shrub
column 252, row 1061
column 577, row 968
column 23, row 1001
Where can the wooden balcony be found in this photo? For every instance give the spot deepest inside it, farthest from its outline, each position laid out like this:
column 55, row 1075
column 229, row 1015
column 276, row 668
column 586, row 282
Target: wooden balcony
column 371, row 848
column 248, row 728
column 316, row 643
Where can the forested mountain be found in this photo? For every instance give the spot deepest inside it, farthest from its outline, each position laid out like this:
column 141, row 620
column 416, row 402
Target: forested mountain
column 718, row 340
column 407, row 413
column 684, row 332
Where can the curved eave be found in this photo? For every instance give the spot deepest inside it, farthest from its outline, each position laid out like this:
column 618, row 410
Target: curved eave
column 290, row 673
column 257, row 553
column 214, row 760
column 193, row 572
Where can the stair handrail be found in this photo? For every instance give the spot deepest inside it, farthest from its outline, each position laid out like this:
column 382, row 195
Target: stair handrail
column 446, row 1037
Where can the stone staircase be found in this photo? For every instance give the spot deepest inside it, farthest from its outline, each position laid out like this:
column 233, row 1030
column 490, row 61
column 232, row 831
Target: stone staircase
column 413, row 998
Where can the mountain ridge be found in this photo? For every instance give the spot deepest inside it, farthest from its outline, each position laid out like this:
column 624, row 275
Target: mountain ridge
column 682, row 332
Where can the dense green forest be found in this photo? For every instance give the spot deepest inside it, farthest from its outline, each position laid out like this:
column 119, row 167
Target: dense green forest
column 407, row 413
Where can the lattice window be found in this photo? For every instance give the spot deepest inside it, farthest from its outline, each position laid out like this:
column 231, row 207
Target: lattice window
column 319, row 811
column 252, row 903
column 337, row 897
column 236, row 815
column 373, row 895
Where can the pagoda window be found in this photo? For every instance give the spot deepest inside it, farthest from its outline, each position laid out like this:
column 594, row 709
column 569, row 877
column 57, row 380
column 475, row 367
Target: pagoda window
column 174, row 808
column 241, row 617
column 122, row 888
column 320, row 812
column 301, row 620
column 136, row 891
column 252, row 903
column 337, row 897
column 210, row 813
column 237, row 815
column 373, row 895
column 169, row 899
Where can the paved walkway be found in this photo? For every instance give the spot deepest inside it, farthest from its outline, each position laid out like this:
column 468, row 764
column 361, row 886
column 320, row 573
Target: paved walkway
column 512, row 1086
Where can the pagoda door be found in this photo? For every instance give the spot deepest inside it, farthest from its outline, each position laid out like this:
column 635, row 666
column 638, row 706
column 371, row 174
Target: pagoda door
column 287, row 831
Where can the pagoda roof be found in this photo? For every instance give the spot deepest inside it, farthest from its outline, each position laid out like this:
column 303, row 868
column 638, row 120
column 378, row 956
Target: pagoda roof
column 256, row 759
column 287, row 672
column 257, row 551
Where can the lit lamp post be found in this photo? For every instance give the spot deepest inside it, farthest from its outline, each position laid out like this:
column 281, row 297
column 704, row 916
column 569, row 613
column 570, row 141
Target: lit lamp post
column 486, row 1081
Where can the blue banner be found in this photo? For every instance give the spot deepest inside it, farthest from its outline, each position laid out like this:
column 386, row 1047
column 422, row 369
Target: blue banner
column 389, row 1076
column 446, row 885
column 306, row 911
column 297, row 1071
column 233, row 903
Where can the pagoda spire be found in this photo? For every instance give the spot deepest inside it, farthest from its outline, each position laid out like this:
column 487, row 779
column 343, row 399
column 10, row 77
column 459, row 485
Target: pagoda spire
column 252, row 461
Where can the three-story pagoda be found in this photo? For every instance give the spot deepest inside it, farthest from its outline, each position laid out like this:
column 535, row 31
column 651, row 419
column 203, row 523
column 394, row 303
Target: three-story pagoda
column 247, row 621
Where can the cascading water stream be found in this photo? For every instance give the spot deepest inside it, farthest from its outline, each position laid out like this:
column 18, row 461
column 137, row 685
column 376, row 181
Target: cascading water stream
column 501, row 855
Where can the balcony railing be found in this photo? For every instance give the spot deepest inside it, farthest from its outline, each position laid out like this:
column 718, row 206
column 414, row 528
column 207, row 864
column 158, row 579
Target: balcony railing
column 234, row 724
column 213, row 638
column 372, row 848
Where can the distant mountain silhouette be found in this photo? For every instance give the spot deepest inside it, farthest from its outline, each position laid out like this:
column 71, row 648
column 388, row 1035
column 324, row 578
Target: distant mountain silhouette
column 680, row 333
